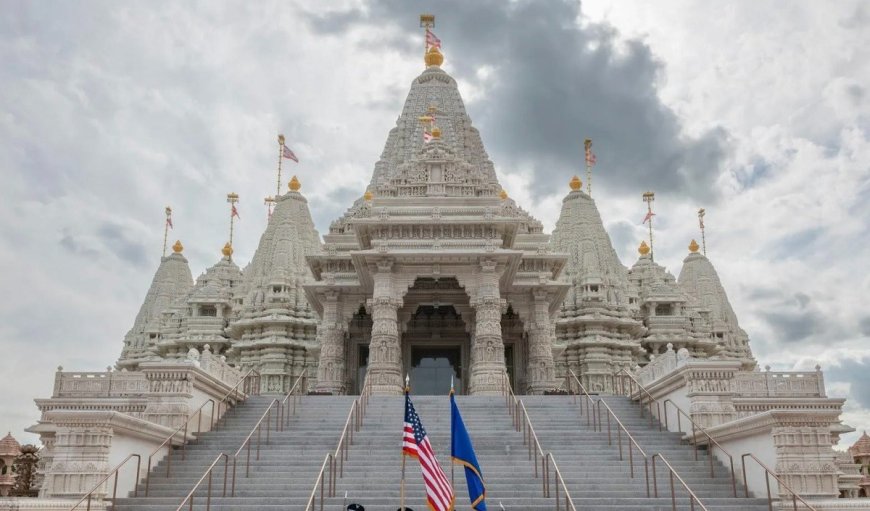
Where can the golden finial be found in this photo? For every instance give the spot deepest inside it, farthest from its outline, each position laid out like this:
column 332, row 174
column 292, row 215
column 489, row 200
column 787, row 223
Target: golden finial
column 436, row 132
column 434, row 57
column 503, row 194
column 643, row 249
column 693, row 247
column 294, row 184
column 368, row 196
column 227, row 251
column 178, row 247
column 433, row 109
column 575, row 183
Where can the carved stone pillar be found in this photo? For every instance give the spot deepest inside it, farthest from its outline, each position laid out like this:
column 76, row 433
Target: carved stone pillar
column 540, row 372
column 487, row 348
column 330, row 334
column 385, row 356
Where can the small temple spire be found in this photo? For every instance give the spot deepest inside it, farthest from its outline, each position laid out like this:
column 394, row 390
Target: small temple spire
column 701, row 214
column 432, row 45
column 294, row 185
column 232, row 199
column 166, row 227
column 649, row 197
column 575, row 183
column 177, row 247
column 693, row 247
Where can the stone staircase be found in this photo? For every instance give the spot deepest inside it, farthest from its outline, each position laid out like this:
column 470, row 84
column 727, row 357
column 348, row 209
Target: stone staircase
column 285, row 474
column 280, row 479
column 373, row 471
column 598, row 480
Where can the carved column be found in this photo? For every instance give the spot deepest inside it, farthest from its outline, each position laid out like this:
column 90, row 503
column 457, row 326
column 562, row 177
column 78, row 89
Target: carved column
column 330, row 334
column 540, row 372
column 385, row 356
column 487, row 348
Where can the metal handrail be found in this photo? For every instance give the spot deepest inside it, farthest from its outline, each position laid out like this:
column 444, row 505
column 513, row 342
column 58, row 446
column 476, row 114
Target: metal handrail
column 189, row 498
column 767, row 473
column 597, row 426
column 330, row 462
column 529, row 434
column 258, row 427
column 640, row 398
column 169, row 440
column 223, row 401
column 557, row 480
column 695, row 428
column 88, row 496
column 294, row 392
column 589, row 402
column 692, row 497
column 345, row 440
column 249, row 390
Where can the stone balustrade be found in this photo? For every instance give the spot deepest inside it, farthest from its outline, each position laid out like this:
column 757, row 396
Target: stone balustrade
column 779, row 383
column 99, row 384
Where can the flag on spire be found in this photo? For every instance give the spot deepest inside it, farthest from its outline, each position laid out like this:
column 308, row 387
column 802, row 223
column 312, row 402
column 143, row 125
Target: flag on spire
column 427, row 137
column 462, row 453
column 648, row 216
column 235, row 212
column 432, row 40
column 290, row 155
column 169, row 222
column 415, row 443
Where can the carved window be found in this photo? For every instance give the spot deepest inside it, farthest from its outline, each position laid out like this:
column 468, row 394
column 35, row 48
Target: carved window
column 664, row 309
column 208, row 310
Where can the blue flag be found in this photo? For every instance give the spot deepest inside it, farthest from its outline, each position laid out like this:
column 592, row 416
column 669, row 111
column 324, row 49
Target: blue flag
column 462, row 453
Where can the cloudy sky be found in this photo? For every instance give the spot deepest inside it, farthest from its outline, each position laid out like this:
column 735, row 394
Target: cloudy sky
column 758, row 111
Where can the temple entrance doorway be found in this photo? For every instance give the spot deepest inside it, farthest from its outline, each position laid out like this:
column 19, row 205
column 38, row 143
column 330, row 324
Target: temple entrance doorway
column 432, row 368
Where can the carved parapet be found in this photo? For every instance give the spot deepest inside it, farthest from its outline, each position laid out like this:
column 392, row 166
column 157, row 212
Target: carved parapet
column 99, row 384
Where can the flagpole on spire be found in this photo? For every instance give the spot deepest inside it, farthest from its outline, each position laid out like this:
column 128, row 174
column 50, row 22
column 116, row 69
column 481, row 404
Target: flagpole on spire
column 649, row 197
column 280, row 157
column 701, row 214
column 232, row 199
column 590, row 161
column 269, row 201
column 427, row 22
column 166, row 227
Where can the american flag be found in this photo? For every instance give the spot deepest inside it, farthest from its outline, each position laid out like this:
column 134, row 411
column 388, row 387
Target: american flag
column 290, row 155
column 415, row 443
column 432, row 39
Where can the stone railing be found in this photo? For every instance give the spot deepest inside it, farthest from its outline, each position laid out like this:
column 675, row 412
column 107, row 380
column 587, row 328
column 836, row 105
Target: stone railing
column 659, row 366
column 217, row 366
column 779, row 383
column 100, row 384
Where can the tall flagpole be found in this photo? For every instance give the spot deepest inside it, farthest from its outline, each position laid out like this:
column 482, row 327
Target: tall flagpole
column 587, row 146
column 427, row 21
column 232, row 199
column 649, row 197
column 280, row 157
column 701, row 214
column 402, row 487
column 166, row 228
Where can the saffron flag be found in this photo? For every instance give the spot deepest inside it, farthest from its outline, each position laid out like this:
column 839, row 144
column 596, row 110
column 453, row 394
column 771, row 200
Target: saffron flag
column 427, row 137
column 462, row 453
column 235, row 212
column 290, row 155
column 648, row 217
column 432, row 40
column 415, row 443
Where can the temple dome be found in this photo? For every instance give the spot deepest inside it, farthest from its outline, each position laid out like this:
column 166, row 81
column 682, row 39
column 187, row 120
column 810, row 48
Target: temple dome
column 9, row 446
column 171, row 283
column 699, row 279
column 861, row 447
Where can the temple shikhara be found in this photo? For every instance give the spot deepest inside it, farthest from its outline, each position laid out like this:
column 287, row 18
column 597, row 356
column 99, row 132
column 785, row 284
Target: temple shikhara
column 437, row 274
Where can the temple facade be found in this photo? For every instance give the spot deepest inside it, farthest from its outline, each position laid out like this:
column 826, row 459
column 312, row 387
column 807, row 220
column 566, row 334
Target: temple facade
column 435, row 272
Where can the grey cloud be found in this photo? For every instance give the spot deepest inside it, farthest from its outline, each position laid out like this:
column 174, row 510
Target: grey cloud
column 857, row 373
column 795, row 326
column 118, row 240
column 554, row 84
column 864, row 326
